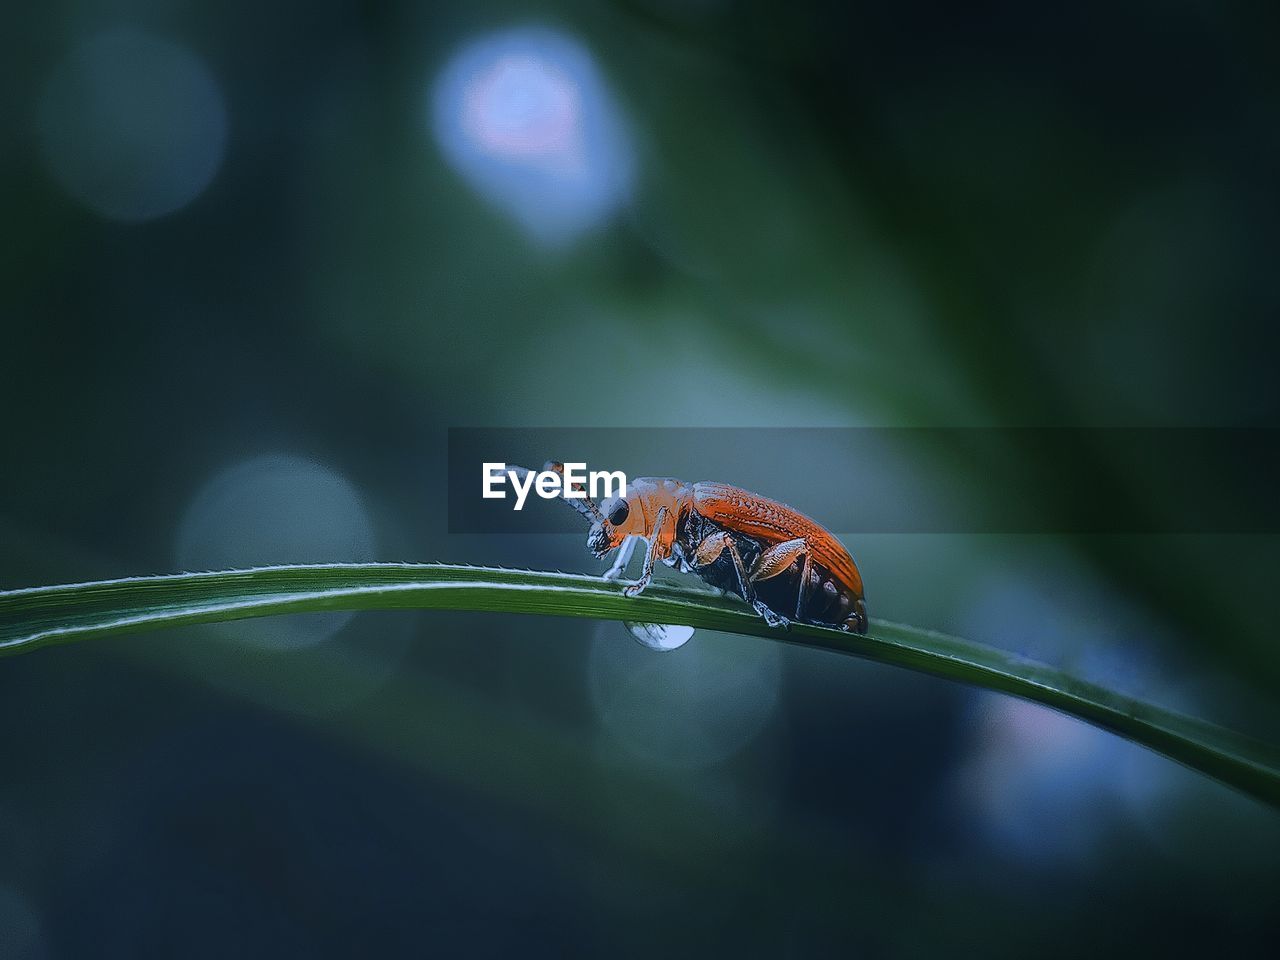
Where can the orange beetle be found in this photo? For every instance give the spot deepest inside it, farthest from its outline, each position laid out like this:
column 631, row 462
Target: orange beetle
column 785, row 565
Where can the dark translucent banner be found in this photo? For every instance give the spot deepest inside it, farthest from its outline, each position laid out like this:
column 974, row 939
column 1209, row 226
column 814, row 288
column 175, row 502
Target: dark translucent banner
column 906, row 480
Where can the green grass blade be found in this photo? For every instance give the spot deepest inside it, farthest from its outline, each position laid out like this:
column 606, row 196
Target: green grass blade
column 34, row 617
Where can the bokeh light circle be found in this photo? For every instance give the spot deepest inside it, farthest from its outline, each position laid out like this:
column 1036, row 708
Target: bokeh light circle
column 132, row 125
column 276, row 508
column 523, row 115
column 697, row 705
column 1028, row 765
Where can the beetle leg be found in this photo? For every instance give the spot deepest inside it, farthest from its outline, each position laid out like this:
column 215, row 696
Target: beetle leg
column 710, row 548
column 779, row 558
column 775, row 561
column 677, row 559
column 744, row 581
column 747, row 584
column 771, row 618
column 803, row 592
column 620, row 562
column 659, row 548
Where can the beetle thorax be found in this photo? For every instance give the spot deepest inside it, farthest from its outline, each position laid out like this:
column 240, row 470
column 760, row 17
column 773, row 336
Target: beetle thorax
column 648, row 495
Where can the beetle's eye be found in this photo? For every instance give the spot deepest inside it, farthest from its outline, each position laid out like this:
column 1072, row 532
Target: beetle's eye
column 618, row 513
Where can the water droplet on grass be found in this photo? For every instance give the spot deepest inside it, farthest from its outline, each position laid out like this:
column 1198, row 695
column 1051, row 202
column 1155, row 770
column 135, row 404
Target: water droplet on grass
column 660, row 636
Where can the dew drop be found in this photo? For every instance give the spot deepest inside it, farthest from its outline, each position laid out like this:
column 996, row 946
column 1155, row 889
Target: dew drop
column 660, row 636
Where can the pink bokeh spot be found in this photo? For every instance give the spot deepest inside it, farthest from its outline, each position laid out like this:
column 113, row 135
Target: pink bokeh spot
column 524, row 108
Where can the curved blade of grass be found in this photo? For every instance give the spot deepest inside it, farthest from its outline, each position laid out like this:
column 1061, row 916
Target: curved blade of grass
column 34, row 617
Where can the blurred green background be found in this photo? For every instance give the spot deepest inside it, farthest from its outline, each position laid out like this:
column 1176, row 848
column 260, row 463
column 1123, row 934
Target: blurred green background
column 258, row 258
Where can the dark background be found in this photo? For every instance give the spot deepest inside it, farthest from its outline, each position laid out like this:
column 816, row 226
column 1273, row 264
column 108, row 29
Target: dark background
column 257, row 258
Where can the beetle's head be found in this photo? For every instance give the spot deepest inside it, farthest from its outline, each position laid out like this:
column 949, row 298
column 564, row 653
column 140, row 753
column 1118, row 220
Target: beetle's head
column 613, row 526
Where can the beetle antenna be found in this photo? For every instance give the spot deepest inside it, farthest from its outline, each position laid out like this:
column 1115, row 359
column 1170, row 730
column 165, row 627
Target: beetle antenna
column 584, row 504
